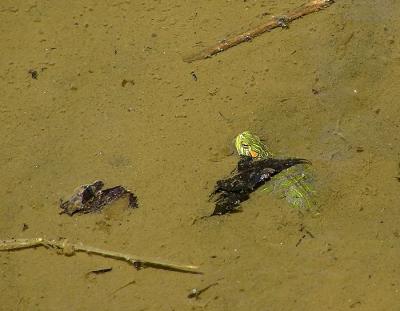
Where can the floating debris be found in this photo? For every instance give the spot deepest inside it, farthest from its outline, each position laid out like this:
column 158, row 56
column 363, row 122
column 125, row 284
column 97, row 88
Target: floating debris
column 276, row 21
column 195, row 292
column 99, row 271
column 34, row 74
column 90, row 198
column 249, row 175
column 123, row 286
column 295, row 184
column 65, row 247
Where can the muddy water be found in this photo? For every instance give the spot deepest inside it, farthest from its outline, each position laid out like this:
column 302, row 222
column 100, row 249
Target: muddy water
column 113, row 100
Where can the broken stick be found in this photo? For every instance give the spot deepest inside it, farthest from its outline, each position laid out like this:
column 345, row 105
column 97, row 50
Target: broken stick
column 68, row 248
column 275, row 22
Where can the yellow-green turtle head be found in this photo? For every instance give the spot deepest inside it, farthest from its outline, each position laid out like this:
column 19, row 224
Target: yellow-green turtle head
column 251, row 145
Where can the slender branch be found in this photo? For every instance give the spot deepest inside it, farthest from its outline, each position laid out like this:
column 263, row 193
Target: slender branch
column 68, row 248
column 275, row 22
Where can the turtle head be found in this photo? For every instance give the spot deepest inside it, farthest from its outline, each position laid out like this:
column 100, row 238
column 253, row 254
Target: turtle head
column 251, row 145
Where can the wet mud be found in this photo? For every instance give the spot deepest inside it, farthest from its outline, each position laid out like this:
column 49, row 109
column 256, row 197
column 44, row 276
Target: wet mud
column 99, row 90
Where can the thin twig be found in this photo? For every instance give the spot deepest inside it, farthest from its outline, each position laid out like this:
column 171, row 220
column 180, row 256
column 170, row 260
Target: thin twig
column 68, row 248
column 123, row 286
column 275, row 22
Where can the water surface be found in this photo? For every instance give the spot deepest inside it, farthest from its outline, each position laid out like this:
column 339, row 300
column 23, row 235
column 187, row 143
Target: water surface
column 113, row 100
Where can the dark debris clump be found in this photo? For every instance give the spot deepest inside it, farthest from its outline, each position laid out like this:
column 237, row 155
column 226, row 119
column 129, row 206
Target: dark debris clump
column 90, row 198
column 249, row 175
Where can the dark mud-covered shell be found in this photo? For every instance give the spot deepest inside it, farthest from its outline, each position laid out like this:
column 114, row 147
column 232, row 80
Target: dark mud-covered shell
column 90, row 198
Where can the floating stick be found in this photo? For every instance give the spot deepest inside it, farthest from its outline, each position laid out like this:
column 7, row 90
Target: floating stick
column 281, row 21
column 68, row 248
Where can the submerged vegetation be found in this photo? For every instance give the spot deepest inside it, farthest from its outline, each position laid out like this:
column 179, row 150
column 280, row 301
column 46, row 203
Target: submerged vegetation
column 295, row 183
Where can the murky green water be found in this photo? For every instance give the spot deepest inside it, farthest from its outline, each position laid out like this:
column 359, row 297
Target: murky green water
column 113, row 100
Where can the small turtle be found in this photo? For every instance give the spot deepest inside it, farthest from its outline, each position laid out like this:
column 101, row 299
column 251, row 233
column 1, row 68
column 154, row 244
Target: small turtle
column 248, row 176
column 295, row 184
column 90, row 198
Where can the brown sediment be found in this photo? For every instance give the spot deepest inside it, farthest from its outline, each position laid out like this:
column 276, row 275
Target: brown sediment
column 55, row 138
